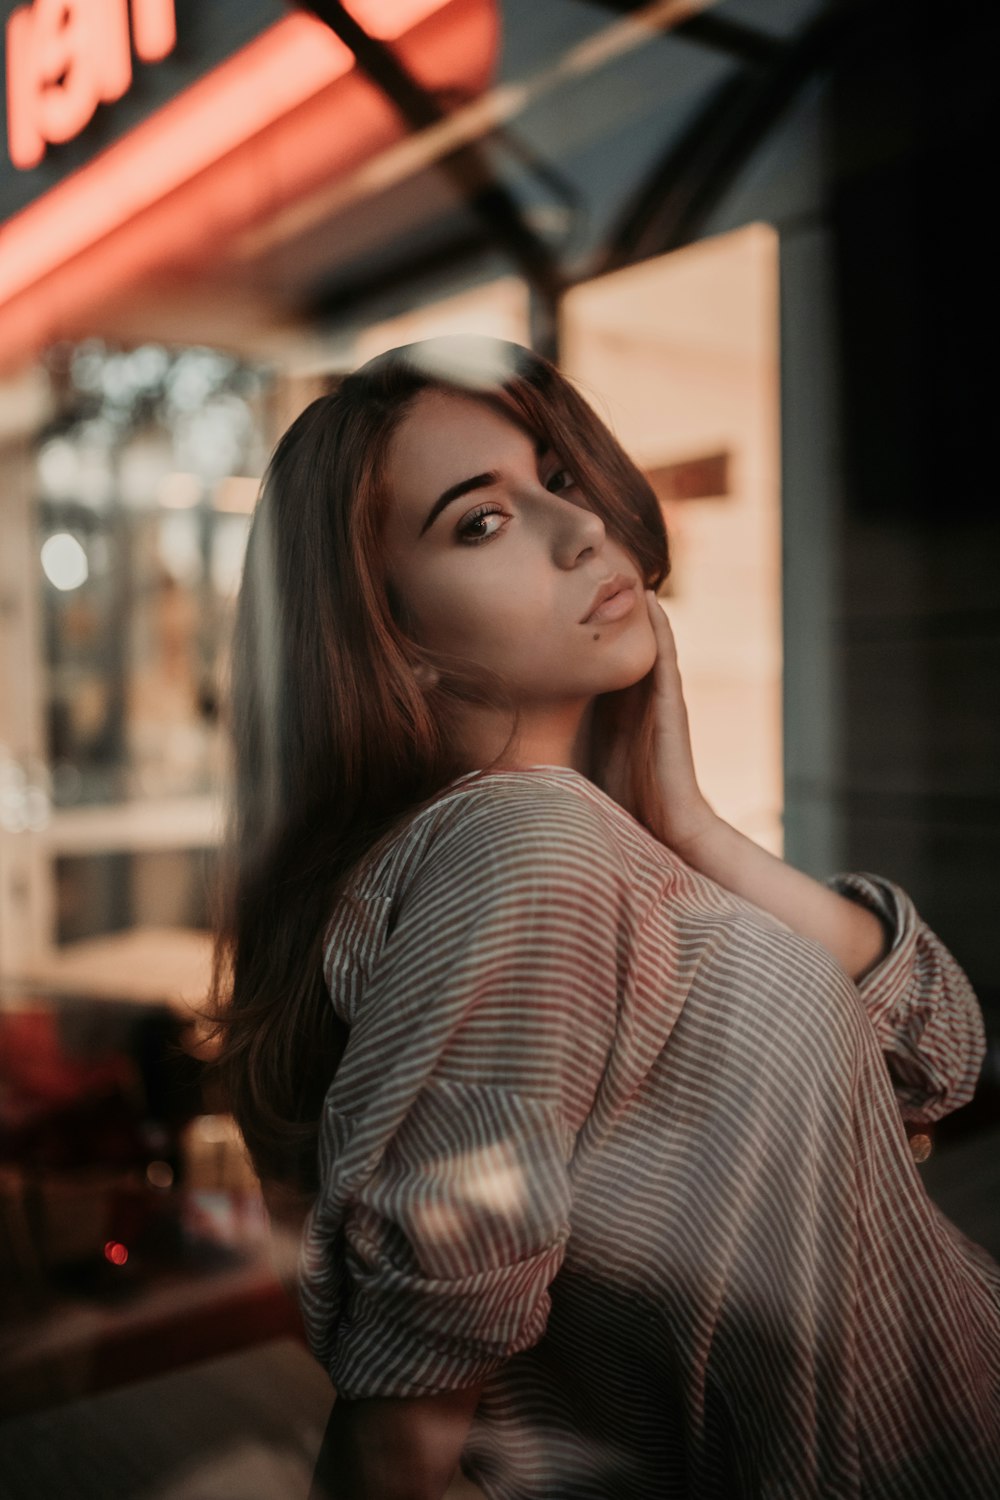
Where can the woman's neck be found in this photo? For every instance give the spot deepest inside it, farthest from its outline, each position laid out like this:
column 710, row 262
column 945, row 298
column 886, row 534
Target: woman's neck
column 556, row 735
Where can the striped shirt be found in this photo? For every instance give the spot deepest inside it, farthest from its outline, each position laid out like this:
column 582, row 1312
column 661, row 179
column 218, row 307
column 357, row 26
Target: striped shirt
column 631, row 1152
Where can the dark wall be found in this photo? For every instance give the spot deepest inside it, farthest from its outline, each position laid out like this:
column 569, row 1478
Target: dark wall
column 911, row 165
column 880, row 181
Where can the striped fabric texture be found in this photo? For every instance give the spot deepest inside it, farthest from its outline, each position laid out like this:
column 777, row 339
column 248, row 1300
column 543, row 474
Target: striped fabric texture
column 631, row 1152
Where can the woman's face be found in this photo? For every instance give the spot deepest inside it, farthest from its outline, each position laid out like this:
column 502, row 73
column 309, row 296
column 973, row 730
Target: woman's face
column 494, row 552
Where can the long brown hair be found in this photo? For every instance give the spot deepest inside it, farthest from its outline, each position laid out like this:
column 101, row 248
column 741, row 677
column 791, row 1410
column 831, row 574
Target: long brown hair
column 335, row 743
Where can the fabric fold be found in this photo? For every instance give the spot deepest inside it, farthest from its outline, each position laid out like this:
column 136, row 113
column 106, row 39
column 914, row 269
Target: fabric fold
column 923, row 1008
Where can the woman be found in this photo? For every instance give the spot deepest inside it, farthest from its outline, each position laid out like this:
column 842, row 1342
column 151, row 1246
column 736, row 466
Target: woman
column 600, row 1105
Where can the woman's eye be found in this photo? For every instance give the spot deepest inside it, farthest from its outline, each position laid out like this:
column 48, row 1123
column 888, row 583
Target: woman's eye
column 562, row 479
column 474, row 529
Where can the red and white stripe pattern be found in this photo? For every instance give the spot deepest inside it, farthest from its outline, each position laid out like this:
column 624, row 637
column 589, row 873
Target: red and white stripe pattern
column 626, row 1148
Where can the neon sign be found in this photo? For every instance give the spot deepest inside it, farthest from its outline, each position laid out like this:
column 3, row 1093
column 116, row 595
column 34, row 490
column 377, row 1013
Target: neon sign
column 271, row 126
column 65, row 57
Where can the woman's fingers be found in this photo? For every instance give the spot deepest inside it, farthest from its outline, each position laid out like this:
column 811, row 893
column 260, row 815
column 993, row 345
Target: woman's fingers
column 656, row 613
column 684, row 806
column 666, row 675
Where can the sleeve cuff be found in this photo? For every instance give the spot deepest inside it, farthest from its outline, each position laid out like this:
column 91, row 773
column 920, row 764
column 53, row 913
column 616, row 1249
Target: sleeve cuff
column 400, row 1338
column 921, row 1005
column 885, row 985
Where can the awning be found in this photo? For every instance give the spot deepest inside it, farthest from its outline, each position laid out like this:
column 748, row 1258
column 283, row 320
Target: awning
column 330, row 159
column 166, row 202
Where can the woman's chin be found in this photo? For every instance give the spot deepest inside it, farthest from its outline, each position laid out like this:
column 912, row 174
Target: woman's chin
column 634, row 663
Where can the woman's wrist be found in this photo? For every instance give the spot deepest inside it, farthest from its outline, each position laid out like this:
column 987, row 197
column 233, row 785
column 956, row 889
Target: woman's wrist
column 393, row 1448
column 689, row 833
column 853, row 934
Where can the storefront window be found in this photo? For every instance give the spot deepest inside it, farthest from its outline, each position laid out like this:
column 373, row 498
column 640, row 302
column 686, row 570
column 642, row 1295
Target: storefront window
column 145, row 478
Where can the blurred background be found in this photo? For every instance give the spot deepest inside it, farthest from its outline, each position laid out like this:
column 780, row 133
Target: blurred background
column 755, row 233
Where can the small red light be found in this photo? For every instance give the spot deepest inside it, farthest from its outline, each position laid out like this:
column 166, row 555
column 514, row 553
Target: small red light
column 116, row 1253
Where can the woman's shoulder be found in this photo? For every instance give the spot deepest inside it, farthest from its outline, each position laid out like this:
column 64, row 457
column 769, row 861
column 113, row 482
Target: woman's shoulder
column 535, row 802
column 549, row 814
column 531, row 833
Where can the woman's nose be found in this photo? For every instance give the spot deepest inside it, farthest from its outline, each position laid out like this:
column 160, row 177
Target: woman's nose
column 576, row 530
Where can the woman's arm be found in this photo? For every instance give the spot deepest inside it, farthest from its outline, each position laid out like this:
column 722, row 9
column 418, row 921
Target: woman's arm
column 393, row 1448
column 854, row 935
column 445, row 1193
column 918, row 999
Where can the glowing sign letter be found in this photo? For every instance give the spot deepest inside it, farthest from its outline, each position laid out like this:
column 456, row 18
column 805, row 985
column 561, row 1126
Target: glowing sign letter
column 64, row 57
column 25, row 141
column 107, row 24
column 65, row 97
column 154, row 29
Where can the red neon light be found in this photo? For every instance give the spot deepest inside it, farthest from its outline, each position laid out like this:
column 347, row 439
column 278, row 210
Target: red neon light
column 287, row 64
column 389, row 19
column 64, row 58
column 154, row 29
column 285, row 116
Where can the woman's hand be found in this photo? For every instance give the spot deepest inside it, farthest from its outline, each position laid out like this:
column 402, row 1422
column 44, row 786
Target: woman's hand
column 687, row 816
column 394, row 1448
column 851, row 933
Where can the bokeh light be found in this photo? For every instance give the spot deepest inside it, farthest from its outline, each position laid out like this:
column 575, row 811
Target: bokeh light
column 64, row 561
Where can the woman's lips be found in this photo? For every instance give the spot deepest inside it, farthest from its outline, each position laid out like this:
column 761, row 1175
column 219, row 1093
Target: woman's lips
column 615, row 608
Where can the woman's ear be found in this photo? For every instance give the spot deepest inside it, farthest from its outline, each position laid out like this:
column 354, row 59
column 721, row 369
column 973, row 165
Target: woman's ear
column 427, row 676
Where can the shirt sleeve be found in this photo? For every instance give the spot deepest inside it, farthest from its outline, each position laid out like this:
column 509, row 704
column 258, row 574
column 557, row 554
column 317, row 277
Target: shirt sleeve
column 447, row 1135
column 921, row 1004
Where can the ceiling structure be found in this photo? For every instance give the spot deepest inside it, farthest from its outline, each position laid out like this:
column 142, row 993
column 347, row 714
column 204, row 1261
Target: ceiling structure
column 601, row 133
column 615, row 129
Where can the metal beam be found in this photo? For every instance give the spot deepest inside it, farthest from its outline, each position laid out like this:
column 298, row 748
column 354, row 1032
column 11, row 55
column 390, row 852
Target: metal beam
column 682, row 191
column 717, row 34
column 467, row 166
column 482, row 117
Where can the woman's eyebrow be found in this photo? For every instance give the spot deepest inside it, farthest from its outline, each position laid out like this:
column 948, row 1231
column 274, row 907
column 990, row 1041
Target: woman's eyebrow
column 454, row 491
column 476, row 482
